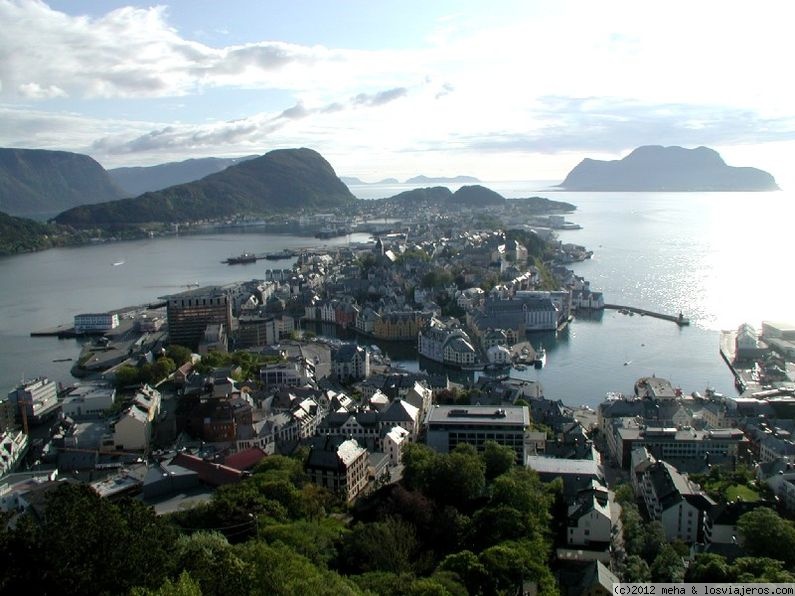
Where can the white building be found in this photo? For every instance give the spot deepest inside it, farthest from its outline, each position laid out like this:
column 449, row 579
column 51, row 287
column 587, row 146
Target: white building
column 393, row 442
column 88, row 400
column 133, row 430
column 589, row 520
column 350, row 362
column 673, row 500
column 13, row 444
column 95, row 322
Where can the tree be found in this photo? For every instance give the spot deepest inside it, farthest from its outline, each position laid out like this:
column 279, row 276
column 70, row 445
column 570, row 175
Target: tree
column 179, row 354
column 766, row 534
column 184, row 586
column 127, row 375
column 668, row 566
column 389, row 545
column 635, row 570
column 708, row 567
column 419, row 462
column 211, row 562
column 467, row 566
column 458, row 477
column 498, row 459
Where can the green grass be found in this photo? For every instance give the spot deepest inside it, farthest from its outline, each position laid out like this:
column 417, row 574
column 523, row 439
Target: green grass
column 742, row 491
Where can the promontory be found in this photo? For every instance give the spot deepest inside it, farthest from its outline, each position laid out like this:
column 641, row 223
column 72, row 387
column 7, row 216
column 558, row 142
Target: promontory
column 655, row 168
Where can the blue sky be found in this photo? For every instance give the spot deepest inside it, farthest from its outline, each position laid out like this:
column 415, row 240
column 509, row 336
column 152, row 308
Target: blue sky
column 499, row 90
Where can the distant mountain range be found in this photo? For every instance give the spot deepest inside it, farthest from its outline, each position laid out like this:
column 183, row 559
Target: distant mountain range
column 36, row 182
column 135, row 181
column 352, row 180
column 284, row 180
column 657, row 168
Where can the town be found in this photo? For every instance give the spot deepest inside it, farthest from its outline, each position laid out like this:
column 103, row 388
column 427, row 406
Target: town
column 238, row 408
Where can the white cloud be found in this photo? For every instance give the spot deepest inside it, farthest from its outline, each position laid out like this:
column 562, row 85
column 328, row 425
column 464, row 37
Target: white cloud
column 36, row 91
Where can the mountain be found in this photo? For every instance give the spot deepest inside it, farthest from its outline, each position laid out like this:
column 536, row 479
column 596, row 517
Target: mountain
column 135, row 181
column 442, row 180
column 477, row 196
column 285, row 180
column 40, row 182
column 657, row 168
column 18, row 235
column 354, row 181
column 469, row 196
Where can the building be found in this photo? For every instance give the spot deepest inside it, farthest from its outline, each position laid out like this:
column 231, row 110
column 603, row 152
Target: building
column 95, row 323
column 13, row 445
column 589, row 522
column 677, row 503
column 447, row 426
column 133, row 430
column 37, row 398
column 339, row 465
column 88, row 400
column 189, row 313
column 445, row 343
column 350, row 362
column 399, row 326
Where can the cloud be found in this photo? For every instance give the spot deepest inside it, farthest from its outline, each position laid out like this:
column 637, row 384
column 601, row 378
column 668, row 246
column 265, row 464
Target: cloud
column 84, row 57
column 380, row 98
column 563, row 124
column 36, row 91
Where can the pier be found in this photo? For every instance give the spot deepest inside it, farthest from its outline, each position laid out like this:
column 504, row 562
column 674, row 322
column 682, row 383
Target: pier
column 679, row 319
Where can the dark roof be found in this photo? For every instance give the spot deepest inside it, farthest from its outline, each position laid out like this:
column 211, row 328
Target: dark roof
column 209, row 472
column 246, row 459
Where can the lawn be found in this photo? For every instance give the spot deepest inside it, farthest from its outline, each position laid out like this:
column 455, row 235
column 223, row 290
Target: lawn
column 742, row 491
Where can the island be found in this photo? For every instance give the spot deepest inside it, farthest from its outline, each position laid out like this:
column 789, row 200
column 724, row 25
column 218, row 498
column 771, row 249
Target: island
column 655, row 168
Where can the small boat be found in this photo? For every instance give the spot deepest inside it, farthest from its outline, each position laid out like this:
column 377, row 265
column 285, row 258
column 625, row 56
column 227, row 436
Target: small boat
column 62, row 360
column 520, row 367
column 541, row 357
column 117, row 263
column 627, row 362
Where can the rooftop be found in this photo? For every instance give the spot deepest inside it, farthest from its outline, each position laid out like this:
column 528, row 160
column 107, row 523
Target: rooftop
column 504, row 415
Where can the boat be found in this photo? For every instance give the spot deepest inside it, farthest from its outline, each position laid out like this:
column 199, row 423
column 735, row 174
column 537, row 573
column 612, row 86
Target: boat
column 541, row 357
column 246, row 257
column 117, row 263
column 520, row 367
column 282, row 254
column 627, row 362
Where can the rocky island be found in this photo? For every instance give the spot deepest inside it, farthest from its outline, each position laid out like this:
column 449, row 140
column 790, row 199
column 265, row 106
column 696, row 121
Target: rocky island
column 655, row 168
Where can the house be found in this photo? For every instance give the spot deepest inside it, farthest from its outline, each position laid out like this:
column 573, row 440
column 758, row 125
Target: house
column 589, row 522
column 339, row 465
column 133, row 430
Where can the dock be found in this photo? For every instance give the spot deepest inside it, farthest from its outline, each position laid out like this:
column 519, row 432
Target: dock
column 679, row 319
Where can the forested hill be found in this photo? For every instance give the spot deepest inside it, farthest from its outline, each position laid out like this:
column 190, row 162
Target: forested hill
column 39, row 182
column 285, row 180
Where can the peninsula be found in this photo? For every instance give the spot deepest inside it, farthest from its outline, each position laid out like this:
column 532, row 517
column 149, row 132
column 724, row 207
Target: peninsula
column 655, row 168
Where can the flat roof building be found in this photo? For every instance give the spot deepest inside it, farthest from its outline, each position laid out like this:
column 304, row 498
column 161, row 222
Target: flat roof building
column 189, row 313
column 447, row 426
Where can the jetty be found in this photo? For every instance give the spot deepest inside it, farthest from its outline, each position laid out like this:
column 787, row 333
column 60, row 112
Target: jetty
column 679, row 319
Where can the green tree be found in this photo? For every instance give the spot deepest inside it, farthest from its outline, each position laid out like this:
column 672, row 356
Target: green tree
column 498, row 459
column 708, row 567
column 389, row 545
column 635, row 570
column 179, row 354
column 212, row 563
column 467, row 566
column 766, row 534
column 458, row 477
column 668, row 566
column 419, row 463
column 127, row 375
column 185, row 585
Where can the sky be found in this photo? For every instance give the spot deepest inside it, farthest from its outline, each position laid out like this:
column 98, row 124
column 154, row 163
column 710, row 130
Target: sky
column 501, row 90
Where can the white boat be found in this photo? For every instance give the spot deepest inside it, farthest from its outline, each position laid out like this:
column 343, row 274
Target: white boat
column 541, row 357
column 117, row 263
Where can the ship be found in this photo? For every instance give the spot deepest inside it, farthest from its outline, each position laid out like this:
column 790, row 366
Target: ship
column 283, row 254
column 246, row 257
